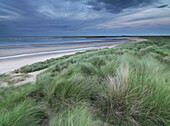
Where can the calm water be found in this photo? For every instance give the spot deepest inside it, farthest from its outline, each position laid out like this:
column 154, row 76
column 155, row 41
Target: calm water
column 31, row 42
column 14, row 43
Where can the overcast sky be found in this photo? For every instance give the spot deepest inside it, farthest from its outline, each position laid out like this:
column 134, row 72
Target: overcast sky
column 84, row 17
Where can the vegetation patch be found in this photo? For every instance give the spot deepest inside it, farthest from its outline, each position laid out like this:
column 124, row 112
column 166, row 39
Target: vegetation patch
column 12, row 79
column 127, row 85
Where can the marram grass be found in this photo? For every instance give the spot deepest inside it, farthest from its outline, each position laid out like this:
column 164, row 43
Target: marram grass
column 127, row 85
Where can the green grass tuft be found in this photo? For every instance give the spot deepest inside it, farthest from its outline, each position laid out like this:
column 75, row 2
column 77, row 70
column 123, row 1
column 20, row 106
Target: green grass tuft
column 127, row 85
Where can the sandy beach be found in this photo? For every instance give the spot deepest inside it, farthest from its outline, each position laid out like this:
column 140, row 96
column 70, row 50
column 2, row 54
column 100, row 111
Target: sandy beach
column 6, row 52
column 7, row 65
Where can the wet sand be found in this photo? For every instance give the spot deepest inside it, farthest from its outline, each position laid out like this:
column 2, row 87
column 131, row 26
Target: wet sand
column 11, row 64
column 52, row 47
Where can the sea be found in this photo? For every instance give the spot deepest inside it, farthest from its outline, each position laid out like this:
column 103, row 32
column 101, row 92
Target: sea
column 14, row 43
column 31, row 42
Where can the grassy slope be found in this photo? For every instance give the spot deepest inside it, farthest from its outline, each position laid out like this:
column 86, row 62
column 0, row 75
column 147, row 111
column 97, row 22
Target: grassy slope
column 127, row 85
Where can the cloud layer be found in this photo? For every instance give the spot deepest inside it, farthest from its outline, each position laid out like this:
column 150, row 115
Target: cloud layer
column 83, row 17
column 116, row 6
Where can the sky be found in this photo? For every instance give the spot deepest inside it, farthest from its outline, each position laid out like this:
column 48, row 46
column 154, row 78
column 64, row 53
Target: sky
column 84, row 17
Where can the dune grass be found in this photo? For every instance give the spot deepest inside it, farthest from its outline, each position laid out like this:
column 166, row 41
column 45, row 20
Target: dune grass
column 127, row 85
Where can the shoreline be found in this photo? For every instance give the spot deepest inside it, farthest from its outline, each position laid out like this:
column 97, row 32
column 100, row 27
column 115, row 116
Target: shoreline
column 7, row 65
column 12, row 52
column 51, row 52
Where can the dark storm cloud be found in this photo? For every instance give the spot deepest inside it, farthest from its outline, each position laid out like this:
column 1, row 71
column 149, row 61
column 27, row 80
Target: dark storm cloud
column 42, row 17
column 23, row 16
column 163, row 6
column 34, row 16
column 116, row 6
